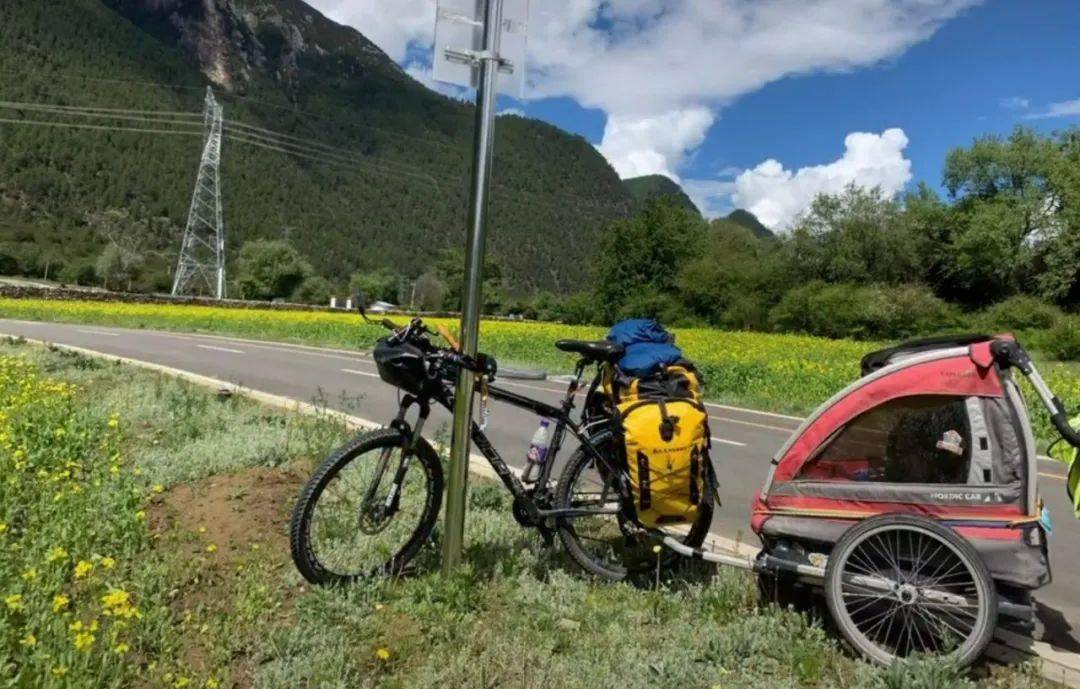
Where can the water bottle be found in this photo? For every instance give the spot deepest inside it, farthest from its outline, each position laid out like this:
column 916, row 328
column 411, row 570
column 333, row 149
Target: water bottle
column 537, row 454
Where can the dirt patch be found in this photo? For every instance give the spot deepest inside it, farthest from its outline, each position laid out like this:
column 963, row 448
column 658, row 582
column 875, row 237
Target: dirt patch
column 230, row 515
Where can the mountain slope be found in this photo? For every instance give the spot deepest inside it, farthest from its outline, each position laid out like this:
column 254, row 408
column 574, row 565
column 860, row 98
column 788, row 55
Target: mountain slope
column 376, row 176
column 750, row 222
column 648, row 187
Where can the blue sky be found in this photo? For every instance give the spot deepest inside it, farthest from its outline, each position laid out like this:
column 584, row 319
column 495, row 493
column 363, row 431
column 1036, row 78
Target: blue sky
column 764, row 103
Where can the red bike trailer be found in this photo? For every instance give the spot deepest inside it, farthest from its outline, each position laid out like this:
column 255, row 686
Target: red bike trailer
column 911, row 499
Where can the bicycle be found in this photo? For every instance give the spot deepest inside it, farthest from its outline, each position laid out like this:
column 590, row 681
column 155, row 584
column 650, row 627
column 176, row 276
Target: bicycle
column 371, row 506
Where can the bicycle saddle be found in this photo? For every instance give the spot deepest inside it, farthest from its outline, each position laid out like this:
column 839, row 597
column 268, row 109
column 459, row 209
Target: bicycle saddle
column 600, row 350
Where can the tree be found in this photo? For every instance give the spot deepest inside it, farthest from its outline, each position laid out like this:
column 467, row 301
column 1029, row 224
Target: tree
column 381, row 284
column 638, row 261
column 450, row 269
column 314, row 290
column 428, row 292
column 270, row 269
column 116, row 267
column 857, row 236
column 735, row 278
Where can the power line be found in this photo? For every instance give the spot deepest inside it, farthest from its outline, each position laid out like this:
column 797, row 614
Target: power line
column 98, row 127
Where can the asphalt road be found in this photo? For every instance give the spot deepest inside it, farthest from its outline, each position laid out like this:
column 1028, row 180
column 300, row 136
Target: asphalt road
column 743, row 440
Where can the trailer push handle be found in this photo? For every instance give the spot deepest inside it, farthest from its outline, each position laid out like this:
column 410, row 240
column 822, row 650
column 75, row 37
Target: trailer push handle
column 1011, row 354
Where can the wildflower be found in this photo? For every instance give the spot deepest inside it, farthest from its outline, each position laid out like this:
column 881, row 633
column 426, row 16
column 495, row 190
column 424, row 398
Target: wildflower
column 117, row 603
column 83, row 569
column 114, row 422
column 60, row 603
column 29, row 575
column 59, row 671
column 107, row 562
column 84, row 641
column 212, row 683
column 202, row 529
column 211, row 548
column 29, row 641
column 382, row 654
column 14, row 602
column 181, row 682
column 379, row 606
column 140, row 516
column 56, row 554
column 158, row 488
column 3, row 527
column 121, row 648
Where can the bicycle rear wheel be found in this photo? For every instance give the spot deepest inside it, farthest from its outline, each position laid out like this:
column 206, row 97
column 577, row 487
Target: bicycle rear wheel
column 367, row 510
column 610, row 545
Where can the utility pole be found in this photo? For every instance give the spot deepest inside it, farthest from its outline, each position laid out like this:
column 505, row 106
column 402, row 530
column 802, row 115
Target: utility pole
column 201, row 267
column 488, row 58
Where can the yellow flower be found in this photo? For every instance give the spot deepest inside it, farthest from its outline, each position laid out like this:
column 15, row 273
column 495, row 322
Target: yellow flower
column 75, row 626
column 83, row 569
column 158, row 488
column 84, row 641
column 29, row 575
column 60, row 603
column 121, row 649
column 114, row 422
column 59, row 671
column 108, row 562
column 29, row 640
column 14, row 602
column 55, row 554
column 382, row 654
column 181, row 682
column 117, row 603
column 140, row 516
column 211, row 548
column 202, row 529
column 212, row 684
column 3, row 527
column 379, row 606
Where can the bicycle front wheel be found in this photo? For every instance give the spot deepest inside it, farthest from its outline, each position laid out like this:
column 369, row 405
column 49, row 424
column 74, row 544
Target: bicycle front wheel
column 610, row 545
column 367, row 510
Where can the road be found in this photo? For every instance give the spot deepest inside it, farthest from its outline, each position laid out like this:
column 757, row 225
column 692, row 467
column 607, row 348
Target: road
column 743, row 440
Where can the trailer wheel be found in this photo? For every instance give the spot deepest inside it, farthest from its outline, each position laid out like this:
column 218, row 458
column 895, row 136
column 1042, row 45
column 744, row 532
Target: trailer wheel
column 898, row 585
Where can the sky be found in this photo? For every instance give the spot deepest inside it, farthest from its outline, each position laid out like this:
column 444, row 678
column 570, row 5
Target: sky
column 764, row 104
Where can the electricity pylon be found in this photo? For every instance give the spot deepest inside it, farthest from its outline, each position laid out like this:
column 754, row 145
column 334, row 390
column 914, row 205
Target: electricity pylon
column 201, row 268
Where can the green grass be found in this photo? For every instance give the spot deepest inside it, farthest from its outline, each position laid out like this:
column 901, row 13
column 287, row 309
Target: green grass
column 190, row 525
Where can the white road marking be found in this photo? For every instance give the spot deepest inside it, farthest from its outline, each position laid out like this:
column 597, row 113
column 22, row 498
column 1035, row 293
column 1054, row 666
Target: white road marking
column 219, row 349
column 97, row 332
column 726, row 419
column 360, row 373
column 728, row 442
column 755, row 411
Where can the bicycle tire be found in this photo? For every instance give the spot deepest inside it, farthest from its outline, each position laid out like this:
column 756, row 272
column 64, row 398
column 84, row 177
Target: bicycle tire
column 572, row 543
column 303, row 554
column 857, row 546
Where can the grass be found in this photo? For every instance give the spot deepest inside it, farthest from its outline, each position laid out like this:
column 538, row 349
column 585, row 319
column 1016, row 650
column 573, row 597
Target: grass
column 775, row 372
column 153, row 517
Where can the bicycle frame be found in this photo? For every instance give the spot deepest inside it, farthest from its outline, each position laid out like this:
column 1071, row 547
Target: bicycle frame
column 563, row 423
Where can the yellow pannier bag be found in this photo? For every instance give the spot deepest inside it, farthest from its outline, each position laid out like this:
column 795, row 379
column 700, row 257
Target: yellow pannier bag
column 667, row 450
column 677, row 380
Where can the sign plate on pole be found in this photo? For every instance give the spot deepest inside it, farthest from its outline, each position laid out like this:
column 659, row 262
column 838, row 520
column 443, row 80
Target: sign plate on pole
column 459, row 38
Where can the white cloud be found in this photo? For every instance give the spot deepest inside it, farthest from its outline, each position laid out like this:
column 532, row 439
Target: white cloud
column 641, row 61
column 422, row 73
column 1067, row 108
column 653, row 145
column 778, row 196
column 1015, row 103
column 711, row 196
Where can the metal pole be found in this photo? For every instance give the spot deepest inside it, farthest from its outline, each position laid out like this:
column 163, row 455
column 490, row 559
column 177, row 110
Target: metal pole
column 454, row 528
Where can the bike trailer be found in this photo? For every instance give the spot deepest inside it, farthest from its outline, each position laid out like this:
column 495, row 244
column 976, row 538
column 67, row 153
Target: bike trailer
column 934, row 428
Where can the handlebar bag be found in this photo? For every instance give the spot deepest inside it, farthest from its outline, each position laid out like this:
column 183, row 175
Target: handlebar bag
column 666, row 443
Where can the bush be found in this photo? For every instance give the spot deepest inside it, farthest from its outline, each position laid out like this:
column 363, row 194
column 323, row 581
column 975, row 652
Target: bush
column 863, row 312
column 1021, row 312
column 1063, row 340
column 314, row 290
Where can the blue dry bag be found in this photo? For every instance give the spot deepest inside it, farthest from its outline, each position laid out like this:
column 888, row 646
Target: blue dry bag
column 648, row 346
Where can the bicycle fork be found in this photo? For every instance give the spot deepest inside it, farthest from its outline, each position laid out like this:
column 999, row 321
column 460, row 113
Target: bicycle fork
column 411, row 437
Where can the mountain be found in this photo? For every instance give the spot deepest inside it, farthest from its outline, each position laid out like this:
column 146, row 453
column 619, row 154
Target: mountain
column 648, row 187
column 328, row 143
column 750, row 222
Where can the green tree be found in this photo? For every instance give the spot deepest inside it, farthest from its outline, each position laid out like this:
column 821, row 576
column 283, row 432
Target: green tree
column 428, row 292
column 856, row 236
column 315, row 289
column 450, row 269
column 735, row 279
column 117, row 267
column 638, row 262
column 270, row 269
column 380, row 284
